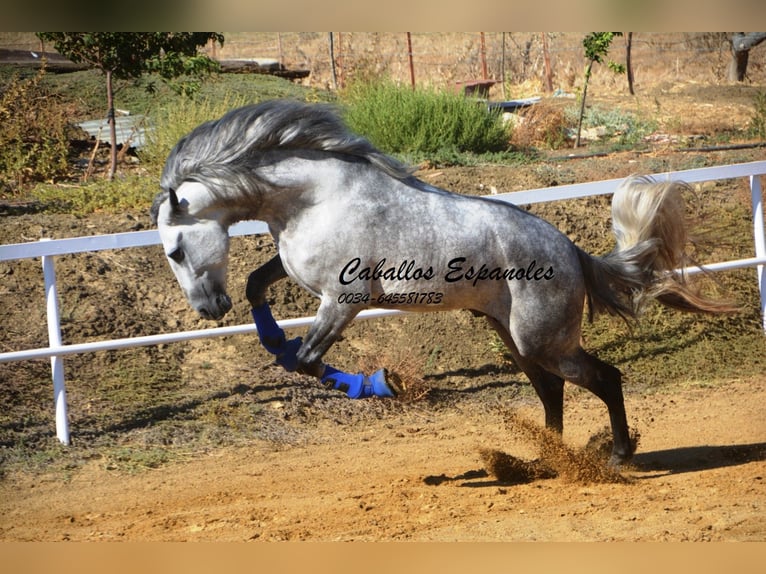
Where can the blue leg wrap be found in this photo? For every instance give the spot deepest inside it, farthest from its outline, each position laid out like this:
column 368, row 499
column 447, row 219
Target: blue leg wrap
column 273, row 338
column 357, row 386
column 274, row 341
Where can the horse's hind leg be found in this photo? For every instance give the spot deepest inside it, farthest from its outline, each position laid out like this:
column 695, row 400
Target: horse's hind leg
column 548, row 374
column 604, row 381
column 548, row 386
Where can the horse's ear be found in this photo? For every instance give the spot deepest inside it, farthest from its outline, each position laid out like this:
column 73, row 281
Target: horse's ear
column 173, row 200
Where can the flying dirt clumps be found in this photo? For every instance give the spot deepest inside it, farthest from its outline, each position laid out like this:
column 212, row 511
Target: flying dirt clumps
column 586, row 465
column 508, row 468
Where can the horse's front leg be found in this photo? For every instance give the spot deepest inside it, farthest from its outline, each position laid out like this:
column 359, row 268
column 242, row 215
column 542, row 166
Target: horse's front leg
column 306, row 356
column 263, row 277
column 272, row 337
column 332, row 318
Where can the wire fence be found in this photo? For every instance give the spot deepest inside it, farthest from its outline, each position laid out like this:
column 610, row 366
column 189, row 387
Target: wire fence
column 521, row 61
column 543, row 60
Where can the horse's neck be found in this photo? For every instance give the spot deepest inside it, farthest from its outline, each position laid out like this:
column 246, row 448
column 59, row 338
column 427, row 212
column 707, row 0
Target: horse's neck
column 200, row 202
column 283, row 186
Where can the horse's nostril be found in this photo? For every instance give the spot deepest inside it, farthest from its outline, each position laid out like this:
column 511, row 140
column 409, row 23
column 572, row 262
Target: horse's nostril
column 224, row 302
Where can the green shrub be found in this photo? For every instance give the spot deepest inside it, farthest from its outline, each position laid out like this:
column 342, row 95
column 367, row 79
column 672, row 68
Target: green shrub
column 123, row 193
column 423, row 121
column 172, row 122
column 757, row 127
column 620, row 128
column 34, row 142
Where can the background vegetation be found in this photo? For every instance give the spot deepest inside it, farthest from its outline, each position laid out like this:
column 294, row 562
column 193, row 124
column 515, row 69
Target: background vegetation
column 41, row 152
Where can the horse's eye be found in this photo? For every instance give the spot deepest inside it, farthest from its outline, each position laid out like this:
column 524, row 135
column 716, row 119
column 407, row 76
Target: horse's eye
column 176, row 255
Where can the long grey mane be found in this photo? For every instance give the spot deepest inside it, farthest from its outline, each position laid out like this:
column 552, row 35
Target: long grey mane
column 221, row 153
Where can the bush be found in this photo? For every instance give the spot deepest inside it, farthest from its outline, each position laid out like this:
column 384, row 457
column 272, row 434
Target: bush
column 34, row 142
column 621, row 128
column 544, row 125
column 172, row 122
column 423, row 121
column 757, row 127
column 124, row 193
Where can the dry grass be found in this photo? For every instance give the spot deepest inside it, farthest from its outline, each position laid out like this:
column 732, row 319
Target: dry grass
column 542, row 125
column 404, row 372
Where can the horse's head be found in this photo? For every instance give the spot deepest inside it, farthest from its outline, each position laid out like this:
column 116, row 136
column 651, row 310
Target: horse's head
column 197, row 247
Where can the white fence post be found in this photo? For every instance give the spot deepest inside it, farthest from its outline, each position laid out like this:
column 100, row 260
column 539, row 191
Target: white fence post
column 760, row 239
column 54, row 340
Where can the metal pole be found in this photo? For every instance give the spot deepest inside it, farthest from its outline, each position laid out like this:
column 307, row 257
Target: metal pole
column 760, row 239
column 54, row 340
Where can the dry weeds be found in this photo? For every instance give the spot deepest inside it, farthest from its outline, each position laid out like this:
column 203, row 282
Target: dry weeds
column 542, row 125
column 404, row 372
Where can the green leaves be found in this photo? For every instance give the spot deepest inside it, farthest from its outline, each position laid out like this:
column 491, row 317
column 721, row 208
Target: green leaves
column 597, row 44
column 131, row 54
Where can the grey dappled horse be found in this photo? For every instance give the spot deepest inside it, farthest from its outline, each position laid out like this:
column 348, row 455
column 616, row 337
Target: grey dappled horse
column 357, row 229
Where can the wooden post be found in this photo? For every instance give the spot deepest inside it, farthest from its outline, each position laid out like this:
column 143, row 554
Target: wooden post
column 339, row 59
column 502, row 69
column 409, row 57
column 547, row 59
column 483, row 57
column 332, row 61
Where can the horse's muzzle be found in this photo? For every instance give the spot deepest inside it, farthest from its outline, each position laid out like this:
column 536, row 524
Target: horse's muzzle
column 218, row 309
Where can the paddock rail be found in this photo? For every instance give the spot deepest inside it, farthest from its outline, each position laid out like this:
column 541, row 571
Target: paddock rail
column 48, row 249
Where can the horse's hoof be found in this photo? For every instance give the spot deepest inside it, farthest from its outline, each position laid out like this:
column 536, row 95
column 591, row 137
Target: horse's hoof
column 287, row 354
column 617, row 460
column 358, row 386
column 380, row 386
column 353, row 385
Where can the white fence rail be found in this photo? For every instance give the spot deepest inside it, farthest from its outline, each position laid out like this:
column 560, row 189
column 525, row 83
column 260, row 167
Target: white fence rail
column 49, row 249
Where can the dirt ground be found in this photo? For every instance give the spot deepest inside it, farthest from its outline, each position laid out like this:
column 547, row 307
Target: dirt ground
column 243, row 451
column 419, row 477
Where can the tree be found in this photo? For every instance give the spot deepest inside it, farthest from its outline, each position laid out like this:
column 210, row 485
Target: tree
column 596, row 46
column 741, row 44
column 628, row 62
column 128, row 55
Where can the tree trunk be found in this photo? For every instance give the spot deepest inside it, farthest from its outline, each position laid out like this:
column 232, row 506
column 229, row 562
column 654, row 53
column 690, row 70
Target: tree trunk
column 582, row 103
column 738, row 65
column 741, row 44
column 112, row 125
column 629, row 63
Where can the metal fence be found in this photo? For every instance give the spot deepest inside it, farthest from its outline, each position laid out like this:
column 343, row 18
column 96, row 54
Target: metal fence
column 554, row 60
column 49, row 249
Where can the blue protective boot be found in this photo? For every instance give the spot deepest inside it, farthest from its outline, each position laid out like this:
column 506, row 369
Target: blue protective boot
column 380, row 387
column 273, row 339
column 357, row 386
column 271, row 336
